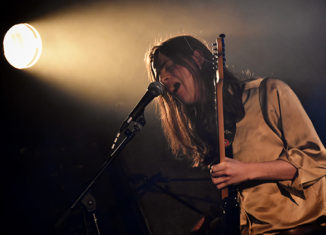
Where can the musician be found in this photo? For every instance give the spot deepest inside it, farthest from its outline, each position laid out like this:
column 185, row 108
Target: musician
column 278, row 161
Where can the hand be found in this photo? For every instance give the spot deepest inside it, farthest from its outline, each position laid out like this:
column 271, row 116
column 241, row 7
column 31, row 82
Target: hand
column 229, row 172
column 234, row 172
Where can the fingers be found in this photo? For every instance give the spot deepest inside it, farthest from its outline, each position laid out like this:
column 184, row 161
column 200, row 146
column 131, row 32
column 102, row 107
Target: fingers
column 218, row 169
column 222, row 166
column 221, row 182
column 220, row 174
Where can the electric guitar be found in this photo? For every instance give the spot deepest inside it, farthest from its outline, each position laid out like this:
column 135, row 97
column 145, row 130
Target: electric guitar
column 230, row 216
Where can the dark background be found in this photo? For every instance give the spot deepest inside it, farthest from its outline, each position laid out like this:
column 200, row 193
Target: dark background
column 52, row 144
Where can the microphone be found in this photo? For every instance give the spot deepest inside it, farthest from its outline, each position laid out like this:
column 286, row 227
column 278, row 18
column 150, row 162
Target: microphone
column 154, row 89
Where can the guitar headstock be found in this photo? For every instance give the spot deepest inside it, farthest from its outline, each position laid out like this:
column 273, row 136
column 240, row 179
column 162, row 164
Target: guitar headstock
column 215, row 56
column 218, row 51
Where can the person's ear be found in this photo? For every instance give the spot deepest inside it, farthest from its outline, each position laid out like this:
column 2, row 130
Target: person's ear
column 198, row 57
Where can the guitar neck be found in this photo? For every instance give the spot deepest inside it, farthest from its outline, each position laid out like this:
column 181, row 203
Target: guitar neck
column 219, row 54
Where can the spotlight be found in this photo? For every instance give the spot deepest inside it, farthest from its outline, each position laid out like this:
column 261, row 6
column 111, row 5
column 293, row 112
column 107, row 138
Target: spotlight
column 22, row 46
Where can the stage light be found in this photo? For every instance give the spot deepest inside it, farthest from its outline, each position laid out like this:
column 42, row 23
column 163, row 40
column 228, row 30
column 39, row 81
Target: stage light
column 22, row 46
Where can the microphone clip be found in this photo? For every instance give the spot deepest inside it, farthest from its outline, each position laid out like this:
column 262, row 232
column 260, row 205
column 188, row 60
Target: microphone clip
column 135, row 125
column 130, row 129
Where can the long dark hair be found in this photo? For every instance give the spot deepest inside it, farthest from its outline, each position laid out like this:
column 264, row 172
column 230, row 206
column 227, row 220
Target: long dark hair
column 191, row 129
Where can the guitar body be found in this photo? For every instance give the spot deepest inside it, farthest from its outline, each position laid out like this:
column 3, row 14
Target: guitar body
column 231, row 213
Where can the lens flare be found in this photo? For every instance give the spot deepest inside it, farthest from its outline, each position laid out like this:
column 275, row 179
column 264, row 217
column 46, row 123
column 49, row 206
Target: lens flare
column 22, row 46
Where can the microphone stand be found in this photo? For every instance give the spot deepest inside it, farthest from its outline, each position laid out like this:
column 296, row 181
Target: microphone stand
column 129, row 135
column 90, row 204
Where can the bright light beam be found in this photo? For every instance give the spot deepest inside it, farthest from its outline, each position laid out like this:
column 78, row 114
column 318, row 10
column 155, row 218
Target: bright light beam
column 22, row 46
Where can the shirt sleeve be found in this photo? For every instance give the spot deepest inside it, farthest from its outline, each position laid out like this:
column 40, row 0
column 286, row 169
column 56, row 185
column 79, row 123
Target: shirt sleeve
column 284, row 113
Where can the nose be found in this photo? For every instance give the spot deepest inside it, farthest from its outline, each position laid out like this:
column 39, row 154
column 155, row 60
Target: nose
column 167, row 82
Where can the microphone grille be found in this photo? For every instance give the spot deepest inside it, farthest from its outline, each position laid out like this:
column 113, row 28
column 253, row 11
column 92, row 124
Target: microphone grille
column 156, row 88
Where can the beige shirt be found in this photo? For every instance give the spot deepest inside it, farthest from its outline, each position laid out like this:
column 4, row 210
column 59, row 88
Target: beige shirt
column 267, row 207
